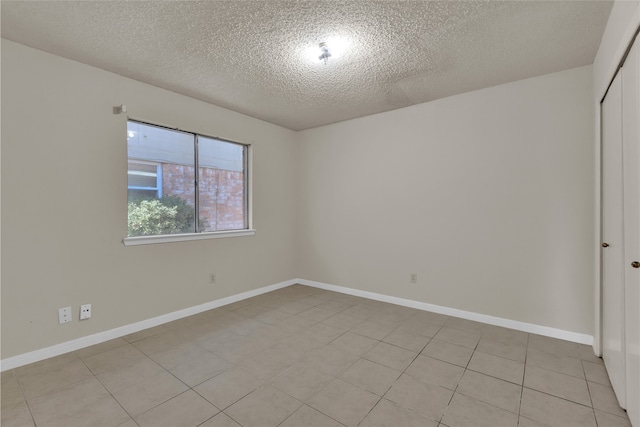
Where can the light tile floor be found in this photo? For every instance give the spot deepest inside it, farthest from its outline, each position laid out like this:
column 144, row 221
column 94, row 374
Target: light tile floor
column 304, row 357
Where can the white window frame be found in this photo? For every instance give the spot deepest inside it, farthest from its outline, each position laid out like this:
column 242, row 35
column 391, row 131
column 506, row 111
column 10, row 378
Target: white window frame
column 197, row 235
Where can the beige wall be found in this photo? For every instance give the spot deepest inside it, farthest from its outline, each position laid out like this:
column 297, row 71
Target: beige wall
column 64, row 201
column 487, row 195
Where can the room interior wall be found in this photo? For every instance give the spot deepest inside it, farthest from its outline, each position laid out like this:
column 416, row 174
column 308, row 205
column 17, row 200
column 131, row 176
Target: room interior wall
column 487, row 196
column 64, row 204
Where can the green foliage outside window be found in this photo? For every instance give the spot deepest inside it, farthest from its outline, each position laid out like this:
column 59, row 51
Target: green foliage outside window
column 167, row 215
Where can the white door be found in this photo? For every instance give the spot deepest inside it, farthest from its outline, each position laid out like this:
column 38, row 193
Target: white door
column 612, row 240
column 631, row 226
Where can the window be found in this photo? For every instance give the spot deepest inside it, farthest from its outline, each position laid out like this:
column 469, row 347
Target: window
column 175, row 177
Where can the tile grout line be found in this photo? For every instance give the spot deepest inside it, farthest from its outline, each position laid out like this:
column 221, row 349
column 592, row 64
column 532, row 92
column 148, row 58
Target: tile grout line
column 109, row 391
column 584, row 371
column 401, row 373
column 458, row 385
column 24, row 397
column 524, row 371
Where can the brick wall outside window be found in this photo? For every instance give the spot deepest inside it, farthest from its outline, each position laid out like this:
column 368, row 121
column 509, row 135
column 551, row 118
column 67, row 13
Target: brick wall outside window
column 221, row 194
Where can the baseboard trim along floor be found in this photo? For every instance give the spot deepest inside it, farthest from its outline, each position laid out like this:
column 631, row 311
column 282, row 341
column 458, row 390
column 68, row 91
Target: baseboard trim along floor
column 76, row 344
column 468, row 315
column 89, row 340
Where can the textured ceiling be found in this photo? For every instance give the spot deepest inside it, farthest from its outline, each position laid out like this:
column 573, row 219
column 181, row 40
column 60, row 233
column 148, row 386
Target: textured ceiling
column 253, row 56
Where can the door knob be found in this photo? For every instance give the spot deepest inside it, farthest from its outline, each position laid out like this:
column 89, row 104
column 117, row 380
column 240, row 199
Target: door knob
column 605, row 245
column 635, row 264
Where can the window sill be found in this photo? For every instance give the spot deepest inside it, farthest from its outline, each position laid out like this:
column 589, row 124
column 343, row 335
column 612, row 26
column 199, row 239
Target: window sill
column 168, row 238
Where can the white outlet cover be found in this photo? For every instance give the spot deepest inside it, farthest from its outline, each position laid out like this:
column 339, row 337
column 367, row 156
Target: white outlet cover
column 85, row 311
column 64, row 315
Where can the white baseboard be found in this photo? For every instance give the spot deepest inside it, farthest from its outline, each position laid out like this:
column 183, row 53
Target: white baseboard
column 65, row 347
column 469, row 315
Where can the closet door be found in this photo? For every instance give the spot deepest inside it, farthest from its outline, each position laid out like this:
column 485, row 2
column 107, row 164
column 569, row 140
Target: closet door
column 612, row 240
column 631, row 183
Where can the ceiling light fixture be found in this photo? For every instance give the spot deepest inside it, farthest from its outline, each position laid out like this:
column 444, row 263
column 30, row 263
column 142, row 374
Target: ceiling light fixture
column 325, row 54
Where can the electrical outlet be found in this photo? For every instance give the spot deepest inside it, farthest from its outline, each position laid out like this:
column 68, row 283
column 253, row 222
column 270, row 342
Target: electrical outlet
column 413, row 278
column 64, row 315
column 85, row 311
column 212, row 277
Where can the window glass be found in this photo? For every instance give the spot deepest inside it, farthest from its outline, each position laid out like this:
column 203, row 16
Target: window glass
column 165, row 192
column 221, row 185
